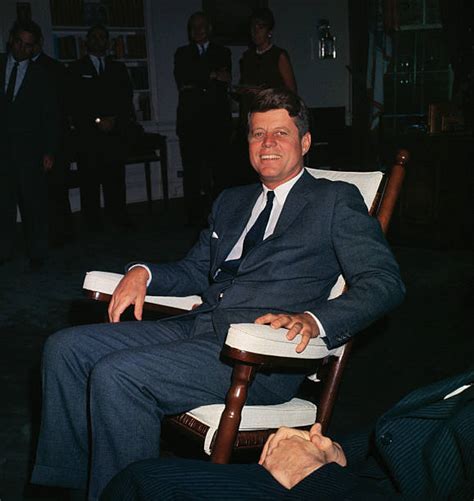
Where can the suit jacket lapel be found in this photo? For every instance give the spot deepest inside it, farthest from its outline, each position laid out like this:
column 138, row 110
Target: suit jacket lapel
column 294, row 204
column 25, row 82
column 88, row 67
column 235, row 223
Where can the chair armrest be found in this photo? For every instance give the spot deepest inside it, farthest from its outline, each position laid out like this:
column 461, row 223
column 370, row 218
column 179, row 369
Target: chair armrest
column 102, row 283
column 264, row 340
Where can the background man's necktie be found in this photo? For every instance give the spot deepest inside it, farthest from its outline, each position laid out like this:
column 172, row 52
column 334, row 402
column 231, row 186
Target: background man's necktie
column 11, row 83
column 257, row 231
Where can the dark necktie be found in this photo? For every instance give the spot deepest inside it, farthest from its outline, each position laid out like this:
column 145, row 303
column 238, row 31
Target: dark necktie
column 257, row 231
column 255, row 235
column 11, row 83
column 202, row 50
column 101, row 66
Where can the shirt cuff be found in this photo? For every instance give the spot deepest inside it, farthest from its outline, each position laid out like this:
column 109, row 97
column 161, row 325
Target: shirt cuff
column 322, row 332
column 150, row 276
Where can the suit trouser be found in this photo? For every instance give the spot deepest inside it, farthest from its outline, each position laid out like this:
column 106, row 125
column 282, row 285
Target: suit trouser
column 204, row 154
column 23, row 183
column 115, row 382
column 177, row 479
column 102, row 164
column 59, row 209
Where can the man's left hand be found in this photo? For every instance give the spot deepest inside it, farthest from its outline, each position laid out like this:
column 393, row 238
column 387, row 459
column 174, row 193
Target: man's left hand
column 297, row 323
column 293, row 460
column 297, row 454
column 48, row 162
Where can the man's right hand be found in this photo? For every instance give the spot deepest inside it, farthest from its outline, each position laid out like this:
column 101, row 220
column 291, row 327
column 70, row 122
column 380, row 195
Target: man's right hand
column 130, row 290
column 291, row 455
column 283, row 433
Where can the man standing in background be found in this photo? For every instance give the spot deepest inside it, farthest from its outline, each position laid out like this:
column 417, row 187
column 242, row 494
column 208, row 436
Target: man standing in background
column 28, row 142
column 202, row 70
column 102, row 110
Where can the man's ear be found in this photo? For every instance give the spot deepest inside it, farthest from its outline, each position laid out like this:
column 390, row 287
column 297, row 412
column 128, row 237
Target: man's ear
column 306, row 143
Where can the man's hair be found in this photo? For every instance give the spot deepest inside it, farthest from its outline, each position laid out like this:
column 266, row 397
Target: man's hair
column 96, row 27
column 264, row 15
column 281, row 98
column 28, row 26
column 194, row 16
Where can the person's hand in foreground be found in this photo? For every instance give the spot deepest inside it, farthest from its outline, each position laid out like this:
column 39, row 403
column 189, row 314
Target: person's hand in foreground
column 291, row 455
column 296, row 323
column 130, row 290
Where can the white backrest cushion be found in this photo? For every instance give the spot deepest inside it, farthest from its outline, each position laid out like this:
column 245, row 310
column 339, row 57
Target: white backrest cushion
column 367, row 182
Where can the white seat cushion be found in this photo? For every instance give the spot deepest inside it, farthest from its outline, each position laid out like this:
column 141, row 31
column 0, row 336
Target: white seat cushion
column 294, row 413
column 105, row 282
column 265, row 340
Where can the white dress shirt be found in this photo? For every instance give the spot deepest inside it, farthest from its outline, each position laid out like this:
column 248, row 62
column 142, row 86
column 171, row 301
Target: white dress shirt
column 202, row 47
column 281, row 192
column 96, row 62
column 20, row 75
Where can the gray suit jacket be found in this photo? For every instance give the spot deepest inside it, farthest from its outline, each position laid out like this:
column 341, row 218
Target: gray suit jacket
column 324, row 230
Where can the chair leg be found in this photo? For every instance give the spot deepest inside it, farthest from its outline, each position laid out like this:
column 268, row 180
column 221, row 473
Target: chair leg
column 329, row 394
column 242, row 376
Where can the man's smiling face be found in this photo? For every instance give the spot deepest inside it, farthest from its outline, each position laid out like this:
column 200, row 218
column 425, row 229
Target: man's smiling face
column 276, row 149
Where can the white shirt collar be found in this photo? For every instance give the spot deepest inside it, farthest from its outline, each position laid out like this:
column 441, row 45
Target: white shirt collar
column 21, row 64
column 95, row 61
column 281, row 192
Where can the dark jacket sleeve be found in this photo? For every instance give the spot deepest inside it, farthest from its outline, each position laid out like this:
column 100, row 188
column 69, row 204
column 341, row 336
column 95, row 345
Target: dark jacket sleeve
column 50, row 117
column 185, row 277
column 368, row 266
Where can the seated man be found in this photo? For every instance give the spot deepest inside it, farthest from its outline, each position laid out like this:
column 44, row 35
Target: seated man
column 421, row 449
column 271, row 254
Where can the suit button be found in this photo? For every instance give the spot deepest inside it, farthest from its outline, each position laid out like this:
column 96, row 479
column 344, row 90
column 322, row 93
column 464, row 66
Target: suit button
column 221, row 295
column 386, row 438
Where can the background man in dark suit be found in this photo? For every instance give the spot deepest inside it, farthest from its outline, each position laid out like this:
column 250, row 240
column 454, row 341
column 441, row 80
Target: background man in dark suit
column 101, row 103
column 276, row 247
column 423, row 448
column 28, row 141
column 202, row 71
column 59, row 210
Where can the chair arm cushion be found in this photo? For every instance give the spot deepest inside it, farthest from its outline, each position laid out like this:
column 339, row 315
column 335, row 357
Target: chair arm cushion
column 295, row 413
column 265, row 340
column 105, row 282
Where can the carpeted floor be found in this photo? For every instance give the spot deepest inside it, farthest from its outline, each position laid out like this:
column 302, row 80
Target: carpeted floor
column 427, row 338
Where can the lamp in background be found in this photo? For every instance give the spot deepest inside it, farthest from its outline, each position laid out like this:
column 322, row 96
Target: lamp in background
column 327, row 42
